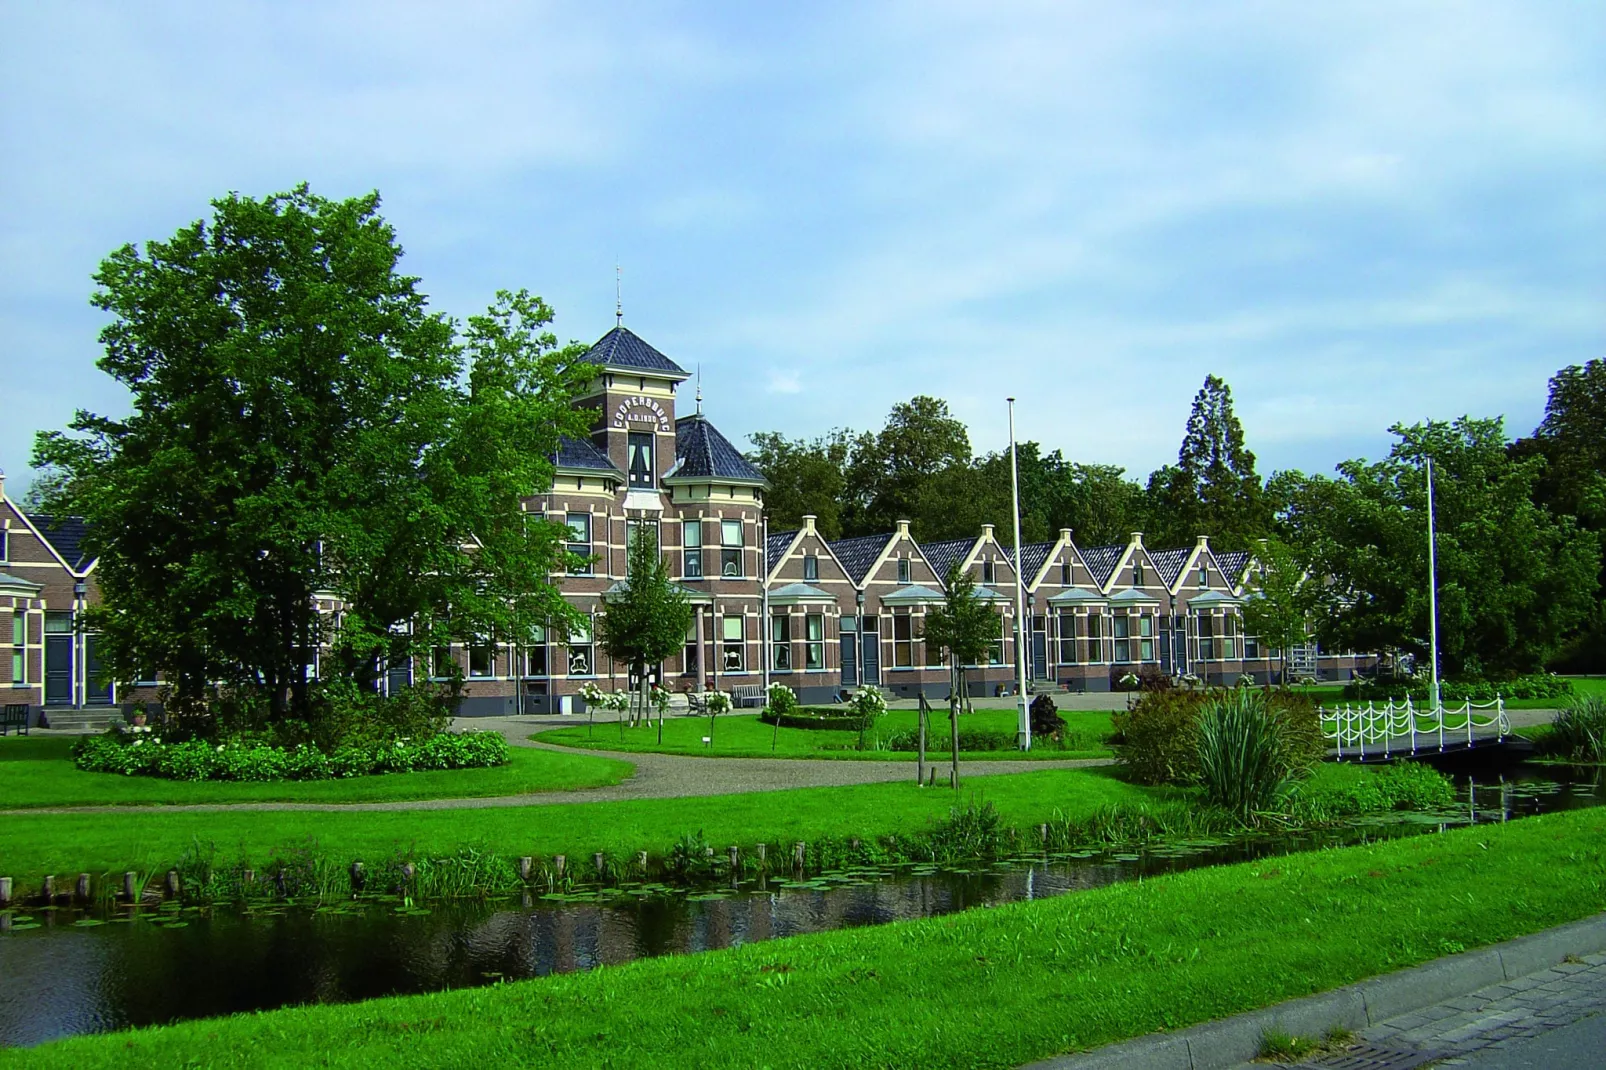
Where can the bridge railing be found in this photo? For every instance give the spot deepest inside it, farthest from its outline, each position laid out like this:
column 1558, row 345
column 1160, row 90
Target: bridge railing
column 1355, row 727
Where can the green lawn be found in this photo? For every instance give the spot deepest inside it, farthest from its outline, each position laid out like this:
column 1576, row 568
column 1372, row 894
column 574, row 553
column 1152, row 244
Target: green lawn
column 744, row 736
column 150, row 840
column 986, row 988
column 38, row 771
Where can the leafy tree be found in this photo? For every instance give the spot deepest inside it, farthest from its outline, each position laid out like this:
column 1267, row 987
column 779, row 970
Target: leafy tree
column 645, row 620
column 964, row 628
column 1279, row 610
column 889, row 471
column 806, row 479
column 1513, row 578
column 1213, row 488
column 300, row 424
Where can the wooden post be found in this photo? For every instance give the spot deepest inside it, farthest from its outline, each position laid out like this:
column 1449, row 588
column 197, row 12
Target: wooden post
column 174, row 886
column 356, row 876
column 49, row 890
column 763, row 855
column 641, row 858
column 559, row 863
column 526, row 867
column 83, row 888
column 735, row 860
column 5, row 890
column 920, row 758
column 797, row 856
column 597, row 862
column 250, row 878
column 1042, row 830
column 130, row 878
column 408, row 872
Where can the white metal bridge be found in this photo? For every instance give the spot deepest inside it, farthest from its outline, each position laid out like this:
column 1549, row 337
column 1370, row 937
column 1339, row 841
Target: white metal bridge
column 1380, row 732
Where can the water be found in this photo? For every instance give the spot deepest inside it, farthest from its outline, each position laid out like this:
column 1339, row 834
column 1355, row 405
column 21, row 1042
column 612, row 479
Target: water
column 87, row 971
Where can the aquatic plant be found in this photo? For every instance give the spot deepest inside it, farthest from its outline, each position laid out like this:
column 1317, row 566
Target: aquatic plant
column 1579, row 730
column 1244, row 765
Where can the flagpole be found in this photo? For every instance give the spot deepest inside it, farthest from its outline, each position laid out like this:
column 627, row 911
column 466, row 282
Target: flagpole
column 1024, row 722
column 1433, row 595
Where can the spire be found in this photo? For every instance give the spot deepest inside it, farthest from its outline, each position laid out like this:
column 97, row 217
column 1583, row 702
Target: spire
column 618, row 297
column 699, row 390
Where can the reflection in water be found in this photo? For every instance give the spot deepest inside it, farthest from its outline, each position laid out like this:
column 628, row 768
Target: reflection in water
column 81, row 974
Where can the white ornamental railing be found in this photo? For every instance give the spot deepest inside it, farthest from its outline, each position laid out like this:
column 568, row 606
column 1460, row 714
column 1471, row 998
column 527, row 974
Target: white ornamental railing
column 1387, row 728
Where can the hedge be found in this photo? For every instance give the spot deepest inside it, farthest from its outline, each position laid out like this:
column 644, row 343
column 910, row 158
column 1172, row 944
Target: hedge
column 1537, row 685
column 148, row 755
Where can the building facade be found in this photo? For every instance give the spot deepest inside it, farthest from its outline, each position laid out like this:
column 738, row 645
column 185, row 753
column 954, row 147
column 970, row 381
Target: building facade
column 791, row 606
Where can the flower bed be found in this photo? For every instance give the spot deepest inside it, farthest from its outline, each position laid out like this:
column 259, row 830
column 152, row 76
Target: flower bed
column 146, row 754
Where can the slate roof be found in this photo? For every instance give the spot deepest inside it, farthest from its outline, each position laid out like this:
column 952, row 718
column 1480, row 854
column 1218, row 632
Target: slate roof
column 622, row 348
column 1034, row 555
column 1101, row 561
column 1169, row 563
column 779, row 542
column 858, row 555
column 1233, row 563
column 701, row 452
column 579, row 453
column 942, row 555
column 66, row 535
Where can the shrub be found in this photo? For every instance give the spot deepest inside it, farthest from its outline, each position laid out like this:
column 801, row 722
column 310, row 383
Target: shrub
column 1244, row 764
column 1534, row 686
column 147, row 754
column 1155, row 738
column 834, row 720
column 1400, row 786
column 1579, row 730
column 1045, row 718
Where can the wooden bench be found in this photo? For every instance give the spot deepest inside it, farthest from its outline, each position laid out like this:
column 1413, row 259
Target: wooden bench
column 15, row 716
column 747, row 695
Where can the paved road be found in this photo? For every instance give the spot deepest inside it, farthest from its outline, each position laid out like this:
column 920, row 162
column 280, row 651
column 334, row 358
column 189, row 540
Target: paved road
column 1579, row 1046
column 657, row 776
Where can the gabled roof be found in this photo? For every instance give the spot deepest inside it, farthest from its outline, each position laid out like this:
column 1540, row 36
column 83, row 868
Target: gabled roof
column 1233, row 563
column 581, row 454
column 701, row 452
column 942, row 556
column 622, row 348
column 775, row 548
column 1132, row 594
column 859, row 555
column 914, row 593
column 1034, row 555
column 65, row 536
column 1170, row 563
column 987, row 594
column 1101, row 561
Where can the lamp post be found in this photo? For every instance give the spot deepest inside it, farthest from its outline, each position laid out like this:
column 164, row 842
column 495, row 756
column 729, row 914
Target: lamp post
column 1024, row 723
column 1433, row 595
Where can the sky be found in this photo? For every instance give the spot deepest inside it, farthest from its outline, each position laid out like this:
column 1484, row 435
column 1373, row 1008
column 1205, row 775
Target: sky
column 1356, row 213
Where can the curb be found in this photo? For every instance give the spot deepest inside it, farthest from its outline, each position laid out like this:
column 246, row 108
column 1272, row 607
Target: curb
column 1230, row 1042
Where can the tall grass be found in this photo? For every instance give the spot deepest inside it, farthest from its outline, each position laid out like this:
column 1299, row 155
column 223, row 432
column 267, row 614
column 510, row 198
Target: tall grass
column 1579, row 730
column 1245, row 765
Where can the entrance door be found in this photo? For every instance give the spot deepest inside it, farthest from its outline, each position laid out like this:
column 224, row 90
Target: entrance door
column 870, row 632
column 399, row 677
column 97, row 692
column 58, row 670
column 1039, row 648
column 849, row 627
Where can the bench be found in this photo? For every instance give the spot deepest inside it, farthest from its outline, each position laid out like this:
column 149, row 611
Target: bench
column 747, row 695
column 15, row 716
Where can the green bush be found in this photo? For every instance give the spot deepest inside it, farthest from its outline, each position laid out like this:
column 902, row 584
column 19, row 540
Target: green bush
column 1400, row 786
column 1244, row 763
column 837, row 720
column 985, row 739
column 147, row 754
column 1535, row 686
column 1579, row 731
column 1156, row 741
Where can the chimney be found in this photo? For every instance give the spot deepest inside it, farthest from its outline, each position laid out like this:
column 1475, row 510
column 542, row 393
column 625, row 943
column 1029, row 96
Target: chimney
column 987, row 532
column 1065, row 534
column 903, row 528
column 808, row 523
column 2, row 484
column 1204, row 542
column 1137, row 537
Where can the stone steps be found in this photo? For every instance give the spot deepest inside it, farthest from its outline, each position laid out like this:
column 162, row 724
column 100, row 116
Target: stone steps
column 86, row 719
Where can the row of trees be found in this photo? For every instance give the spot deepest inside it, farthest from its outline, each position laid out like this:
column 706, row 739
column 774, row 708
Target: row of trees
column 1519, row 524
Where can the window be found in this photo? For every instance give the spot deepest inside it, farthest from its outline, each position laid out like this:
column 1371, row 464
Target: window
column 19, row 647
column 732, row 657
column 1205, row 629
column 1123, row 632
column 1137, row 573
column 903, row 570
column 5, row 544
column 440, row 662
column 535, row 660
column 1067, row 621
column 903, row 645
column 811, row 567
column 481, row 660
column 691, row 561
column 635, row 529
column 1229, row 642
column 639, row 464
column 693, row 649
column 1251, row 647
column 58, row 623
column 1204, row 578
column 989, row 571
column 781, row 642
column 995, row 653
column 814, row 633
column 580, row 543
column 730, row 553
column 1093, row 643
column 1065, row 573
column 580, row 650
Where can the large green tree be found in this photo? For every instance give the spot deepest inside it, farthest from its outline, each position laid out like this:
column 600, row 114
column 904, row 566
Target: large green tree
column 645, row 619
column 302, row 423
column 1513, row 578
column 1213, row 488
column 892, row 472
column 1279, row 609
column 807, row 478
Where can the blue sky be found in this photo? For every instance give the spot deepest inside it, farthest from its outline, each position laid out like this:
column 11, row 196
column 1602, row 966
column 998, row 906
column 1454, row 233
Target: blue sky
column 1357, row 213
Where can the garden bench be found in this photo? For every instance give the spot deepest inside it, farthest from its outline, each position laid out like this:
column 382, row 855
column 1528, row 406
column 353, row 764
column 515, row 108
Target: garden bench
column 747, row 695
column 15, row 716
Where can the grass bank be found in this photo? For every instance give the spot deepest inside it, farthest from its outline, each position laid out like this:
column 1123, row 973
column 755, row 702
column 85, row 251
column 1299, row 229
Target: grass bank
column 987, row 988
column 744, row 736
column 37, row 771
column 153, row 839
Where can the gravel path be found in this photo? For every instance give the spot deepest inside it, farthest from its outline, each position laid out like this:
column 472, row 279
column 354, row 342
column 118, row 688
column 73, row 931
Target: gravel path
column 657, row 776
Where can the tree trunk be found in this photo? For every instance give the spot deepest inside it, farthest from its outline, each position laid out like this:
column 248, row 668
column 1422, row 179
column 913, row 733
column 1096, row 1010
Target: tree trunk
column 920, row 760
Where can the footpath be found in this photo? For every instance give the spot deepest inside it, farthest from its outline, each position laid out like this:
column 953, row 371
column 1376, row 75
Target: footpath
column 1537, row 1001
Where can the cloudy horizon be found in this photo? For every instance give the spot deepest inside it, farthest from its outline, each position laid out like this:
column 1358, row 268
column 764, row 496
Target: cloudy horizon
column 1356, row 215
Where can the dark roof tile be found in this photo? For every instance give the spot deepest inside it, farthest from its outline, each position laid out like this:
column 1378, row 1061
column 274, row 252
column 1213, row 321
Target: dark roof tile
column 941, row 556
column 701, row 452
column 779, row 542
column 66, row 535
column 1101, row 561
column 622, row 348
column 858, row 555
column 1169, row 563
column 578, row 453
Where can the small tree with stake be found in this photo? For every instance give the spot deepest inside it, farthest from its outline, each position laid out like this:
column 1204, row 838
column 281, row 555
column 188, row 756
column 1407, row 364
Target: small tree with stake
column 964, row 629
column 1279, row 610
column 645, row 621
